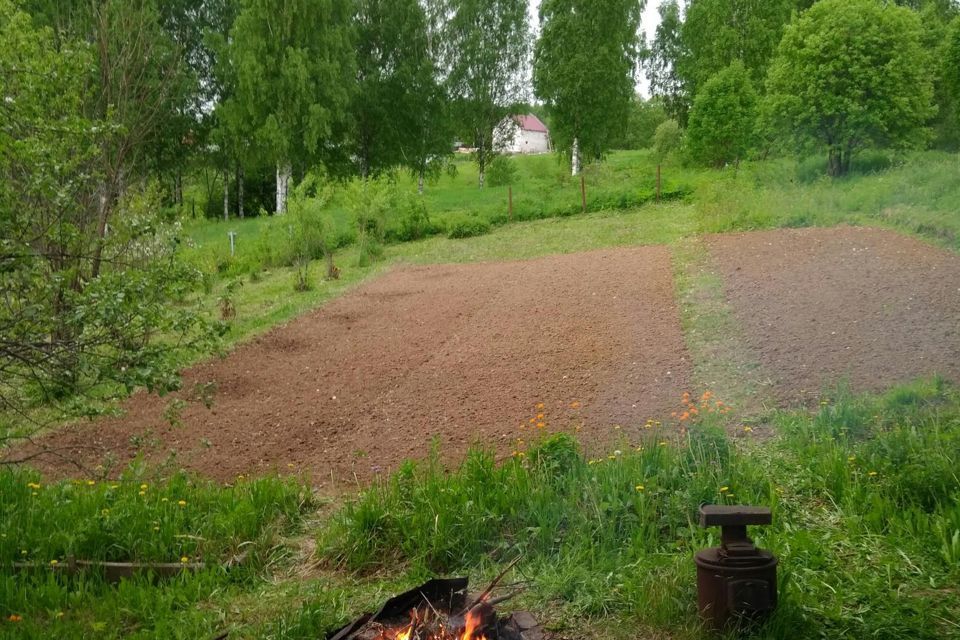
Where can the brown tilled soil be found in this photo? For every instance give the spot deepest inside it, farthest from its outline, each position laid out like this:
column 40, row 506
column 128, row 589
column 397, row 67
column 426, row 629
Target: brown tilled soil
column 823, row 307
column 459, row 353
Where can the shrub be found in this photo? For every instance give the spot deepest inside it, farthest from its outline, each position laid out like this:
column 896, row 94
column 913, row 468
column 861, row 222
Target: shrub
column 722, row 118
column 667, row 138
column 467, row 227
column 502, row 172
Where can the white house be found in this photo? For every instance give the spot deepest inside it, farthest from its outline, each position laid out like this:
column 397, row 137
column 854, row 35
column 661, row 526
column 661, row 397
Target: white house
column 521, row 134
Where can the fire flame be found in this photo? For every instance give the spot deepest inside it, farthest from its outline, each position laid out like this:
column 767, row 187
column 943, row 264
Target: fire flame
column 472, row 623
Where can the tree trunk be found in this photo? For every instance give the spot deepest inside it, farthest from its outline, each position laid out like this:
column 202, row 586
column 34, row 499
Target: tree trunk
column 226, row 197
column 283, row 182
column 836, row 166
column 420, row 180
column 178, row 188
column 240, row 191
column 103, row 213
column 575, row 158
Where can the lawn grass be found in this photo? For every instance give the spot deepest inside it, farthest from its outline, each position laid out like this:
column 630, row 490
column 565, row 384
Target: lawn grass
column 865, row 491
column 865, row 496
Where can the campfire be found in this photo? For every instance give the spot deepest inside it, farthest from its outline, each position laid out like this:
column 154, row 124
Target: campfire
column 443, row 609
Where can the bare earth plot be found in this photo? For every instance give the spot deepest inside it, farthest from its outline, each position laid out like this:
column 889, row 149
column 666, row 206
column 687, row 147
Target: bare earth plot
column 825, row 306
column 456, row 353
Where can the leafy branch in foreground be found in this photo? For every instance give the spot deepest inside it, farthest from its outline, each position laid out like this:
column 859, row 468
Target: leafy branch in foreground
column 91, row 303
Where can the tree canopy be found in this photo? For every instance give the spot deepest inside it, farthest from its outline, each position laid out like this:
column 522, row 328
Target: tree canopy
column 723, row 117
column 295, row 69
column 488, row 45
column 849, row 74
column 584, row 65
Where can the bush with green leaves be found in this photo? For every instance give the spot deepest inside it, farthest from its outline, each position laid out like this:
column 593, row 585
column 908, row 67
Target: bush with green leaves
column 667, row 138
column 502, row 172
column 850, row 74
column 722, row 119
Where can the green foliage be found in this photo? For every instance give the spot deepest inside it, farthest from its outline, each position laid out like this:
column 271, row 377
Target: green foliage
column 583, row 70
column 503, row 172
column 718, row 33
column 645, row 116
column 487, row 46
column 667, row 138
column 83, row 307
column 951, row 67
column 851, row 74
column 858, row 517
column 663, row 62
column 467, row 227
column 139, row 518
column 399, row 115
column 295, row 69
column 722, row 118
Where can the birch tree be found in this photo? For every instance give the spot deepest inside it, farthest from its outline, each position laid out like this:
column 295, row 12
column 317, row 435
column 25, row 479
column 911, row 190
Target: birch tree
column 295, row 68
column 584, row 66
column 489, row 45
column 398, row 105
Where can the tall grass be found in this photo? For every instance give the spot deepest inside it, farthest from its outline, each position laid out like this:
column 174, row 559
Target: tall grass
column 918, row 193
column 865, row 495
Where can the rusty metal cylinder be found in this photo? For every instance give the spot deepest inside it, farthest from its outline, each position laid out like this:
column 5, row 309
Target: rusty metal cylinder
column 736, row 582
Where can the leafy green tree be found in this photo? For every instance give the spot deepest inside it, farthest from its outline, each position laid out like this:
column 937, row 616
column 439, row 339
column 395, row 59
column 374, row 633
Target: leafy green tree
column 487, row 44
column 583, row 69
column 397, row 103
column 645, row 116
column 951, row 65
column 718, row 32
column 850, row 74
column 82, row 308
column 666, row 60
column 667, row 138
column 722, row 118
column 295, row 67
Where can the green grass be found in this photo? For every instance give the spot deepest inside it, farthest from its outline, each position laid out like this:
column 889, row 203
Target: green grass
column 865, row 495
column 865, row 491
column 139, row 517
column 917, row 194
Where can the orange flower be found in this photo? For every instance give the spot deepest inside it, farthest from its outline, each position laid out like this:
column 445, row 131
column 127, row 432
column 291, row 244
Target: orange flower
column 15, row 618
column 539, row 416
column 540, row 405
column 575, row 404
column 684, row 416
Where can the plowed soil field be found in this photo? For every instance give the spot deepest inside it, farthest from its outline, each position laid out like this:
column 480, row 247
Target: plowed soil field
column 455, row 354
column 857, row 306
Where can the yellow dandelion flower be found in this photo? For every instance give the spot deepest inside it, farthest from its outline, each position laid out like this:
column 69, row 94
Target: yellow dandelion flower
column 724, row 489
column 156, row 528
column 142, row 493
column 851, row 458
column 639, row 487
column 748, row 429
column 143, row 487
column 182, row 503
column 872, row 473
column 54, row 563
column 184, row 560
column 164, row 499
column 90, row 483
column 729, row 495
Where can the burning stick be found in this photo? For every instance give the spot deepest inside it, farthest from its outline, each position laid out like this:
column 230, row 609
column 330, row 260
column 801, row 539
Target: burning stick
column 493, row 585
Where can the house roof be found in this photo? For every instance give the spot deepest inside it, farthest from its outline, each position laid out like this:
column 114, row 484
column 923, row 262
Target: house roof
column 530, row 122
